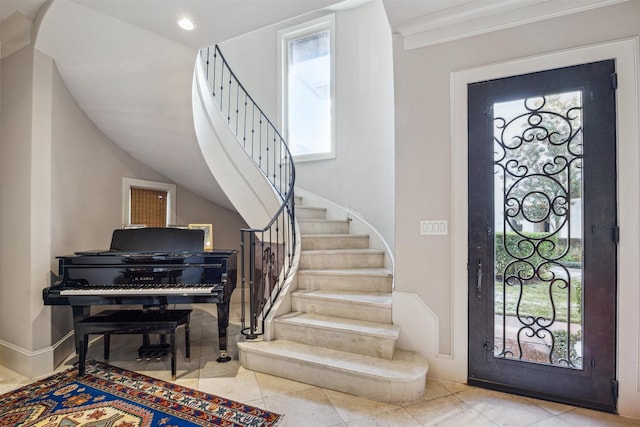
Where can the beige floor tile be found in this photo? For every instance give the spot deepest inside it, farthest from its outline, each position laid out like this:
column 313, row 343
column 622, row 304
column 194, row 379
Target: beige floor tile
column 351, row 407
column 259, row 403
column 7, row 375
column 586, row 417
column 10, row 380
column 451, row 387
column 553, row 422
column 243, row 387
column 503, row 409
column 553, row 407
column 447, row 411
column 308, row 408
column 7, row 387
column 271, row 385
column 213, row 369
column 395, row 418
column 434, row 390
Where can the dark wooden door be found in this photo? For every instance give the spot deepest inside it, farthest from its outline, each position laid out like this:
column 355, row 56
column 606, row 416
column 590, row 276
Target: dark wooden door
column 543, row 234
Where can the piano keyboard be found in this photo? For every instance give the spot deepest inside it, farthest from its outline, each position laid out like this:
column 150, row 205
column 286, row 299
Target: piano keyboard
column 147, row 289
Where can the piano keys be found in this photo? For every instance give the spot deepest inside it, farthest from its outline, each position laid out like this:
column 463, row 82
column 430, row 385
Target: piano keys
column 148, row 289
column 152, row 267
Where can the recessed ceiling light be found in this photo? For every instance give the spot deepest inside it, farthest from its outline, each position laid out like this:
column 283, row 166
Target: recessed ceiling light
column 186, row 24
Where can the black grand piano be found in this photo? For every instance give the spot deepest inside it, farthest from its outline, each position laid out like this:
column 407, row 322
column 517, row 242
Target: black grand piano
column 152, row 267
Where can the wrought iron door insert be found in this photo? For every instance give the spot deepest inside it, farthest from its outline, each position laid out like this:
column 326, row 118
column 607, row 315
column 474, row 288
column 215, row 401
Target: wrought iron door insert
column 538, row 238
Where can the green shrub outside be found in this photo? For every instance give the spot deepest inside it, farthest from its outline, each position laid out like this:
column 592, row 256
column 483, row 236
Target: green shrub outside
column 536, row 303
column 523, row 247
column 552, row 248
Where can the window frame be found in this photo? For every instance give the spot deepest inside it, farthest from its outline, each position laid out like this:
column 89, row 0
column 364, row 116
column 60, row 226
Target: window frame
column 128, row 183
column 285, row 35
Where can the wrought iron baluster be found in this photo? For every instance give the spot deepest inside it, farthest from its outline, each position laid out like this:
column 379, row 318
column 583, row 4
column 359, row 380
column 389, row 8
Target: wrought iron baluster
column 264, row 139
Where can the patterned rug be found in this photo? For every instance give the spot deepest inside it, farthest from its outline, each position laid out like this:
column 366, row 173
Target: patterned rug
column 112, row 397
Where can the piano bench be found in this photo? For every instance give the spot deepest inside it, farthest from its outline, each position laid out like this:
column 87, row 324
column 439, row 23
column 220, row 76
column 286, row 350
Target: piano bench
column 145, row 322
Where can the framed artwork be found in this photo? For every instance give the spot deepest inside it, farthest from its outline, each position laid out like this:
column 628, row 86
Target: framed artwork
column 208, row 234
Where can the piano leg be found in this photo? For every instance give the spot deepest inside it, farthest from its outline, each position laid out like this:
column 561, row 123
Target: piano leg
column 223, row 324
column 80, row 312
column 82, row 356
column 187, row 343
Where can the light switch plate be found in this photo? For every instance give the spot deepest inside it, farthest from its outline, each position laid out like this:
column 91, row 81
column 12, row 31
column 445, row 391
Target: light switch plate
column 434, row 227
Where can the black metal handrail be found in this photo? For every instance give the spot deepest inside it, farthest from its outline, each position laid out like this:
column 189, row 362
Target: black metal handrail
column 266, row 252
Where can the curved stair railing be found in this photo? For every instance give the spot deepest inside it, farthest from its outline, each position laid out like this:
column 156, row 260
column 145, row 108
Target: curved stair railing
column 266, row 254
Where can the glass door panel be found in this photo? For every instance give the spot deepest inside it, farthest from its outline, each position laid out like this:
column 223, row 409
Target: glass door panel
column 538, row 229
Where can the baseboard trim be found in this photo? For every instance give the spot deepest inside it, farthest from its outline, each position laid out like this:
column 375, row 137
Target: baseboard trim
column 37, row 363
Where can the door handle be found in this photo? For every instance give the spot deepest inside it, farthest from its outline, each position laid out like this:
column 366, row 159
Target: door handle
column 479, row 276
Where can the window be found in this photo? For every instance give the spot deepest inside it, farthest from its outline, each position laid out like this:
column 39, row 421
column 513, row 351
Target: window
column 148, row 207
column 307, row 90
column 167, row 191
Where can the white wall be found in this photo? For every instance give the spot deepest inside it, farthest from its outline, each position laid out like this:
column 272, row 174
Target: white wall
column 60, row 191
column 1, row 173
column 15, row 185
column 361, row 178
column 226, row 223
column 431, row 178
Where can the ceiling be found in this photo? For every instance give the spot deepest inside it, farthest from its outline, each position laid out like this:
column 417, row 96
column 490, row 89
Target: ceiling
column 406, row 17
column 144, row 62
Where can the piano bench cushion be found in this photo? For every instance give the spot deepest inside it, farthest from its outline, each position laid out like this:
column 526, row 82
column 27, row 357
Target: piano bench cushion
column 133, row 322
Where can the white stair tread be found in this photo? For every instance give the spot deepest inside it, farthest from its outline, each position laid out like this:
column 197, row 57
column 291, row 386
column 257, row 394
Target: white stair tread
column 311, row 208
column 333, row 235
column 339, row 360
column 310, row 213
column 322, row 220
column 371, row 298
column 342, row 252
column 382, row 330
column 383, row 272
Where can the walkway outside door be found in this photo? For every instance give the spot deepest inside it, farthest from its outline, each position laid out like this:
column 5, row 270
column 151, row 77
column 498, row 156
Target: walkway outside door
column 542, row 235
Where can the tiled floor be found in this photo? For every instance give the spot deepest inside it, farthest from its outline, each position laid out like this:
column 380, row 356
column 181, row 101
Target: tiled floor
column 445, row 404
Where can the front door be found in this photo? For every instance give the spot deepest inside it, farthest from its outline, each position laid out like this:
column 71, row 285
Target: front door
column 543, row 234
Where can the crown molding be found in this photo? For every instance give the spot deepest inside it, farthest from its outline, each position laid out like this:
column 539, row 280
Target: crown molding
column 472, row 19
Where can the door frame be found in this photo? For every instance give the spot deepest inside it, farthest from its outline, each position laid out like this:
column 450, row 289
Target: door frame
column 625, row 52
column 492, row 176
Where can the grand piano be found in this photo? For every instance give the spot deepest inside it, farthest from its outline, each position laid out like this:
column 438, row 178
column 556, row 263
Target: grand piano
column 152, row 267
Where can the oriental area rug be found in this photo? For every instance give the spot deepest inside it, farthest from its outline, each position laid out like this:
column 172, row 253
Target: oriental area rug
column 112, row 397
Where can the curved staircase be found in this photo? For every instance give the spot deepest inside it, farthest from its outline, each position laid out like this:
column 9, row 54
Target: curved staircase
column 326, row 320
column 339, row 334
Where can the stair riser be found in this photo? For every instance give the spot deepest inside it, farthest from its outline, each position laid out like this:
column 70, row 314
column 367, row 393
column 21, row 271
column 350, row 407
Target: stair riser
column 337, row 340
column 310, row 213
column 324, row 227
column 331, row 242
column 339, row 260
column 344, row 309
column 363, row 283
column 358, row 384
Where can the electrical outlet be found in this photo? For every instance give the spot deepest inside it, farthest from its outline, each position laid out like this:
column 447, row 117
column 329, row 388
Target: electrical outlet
column 434, row 227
